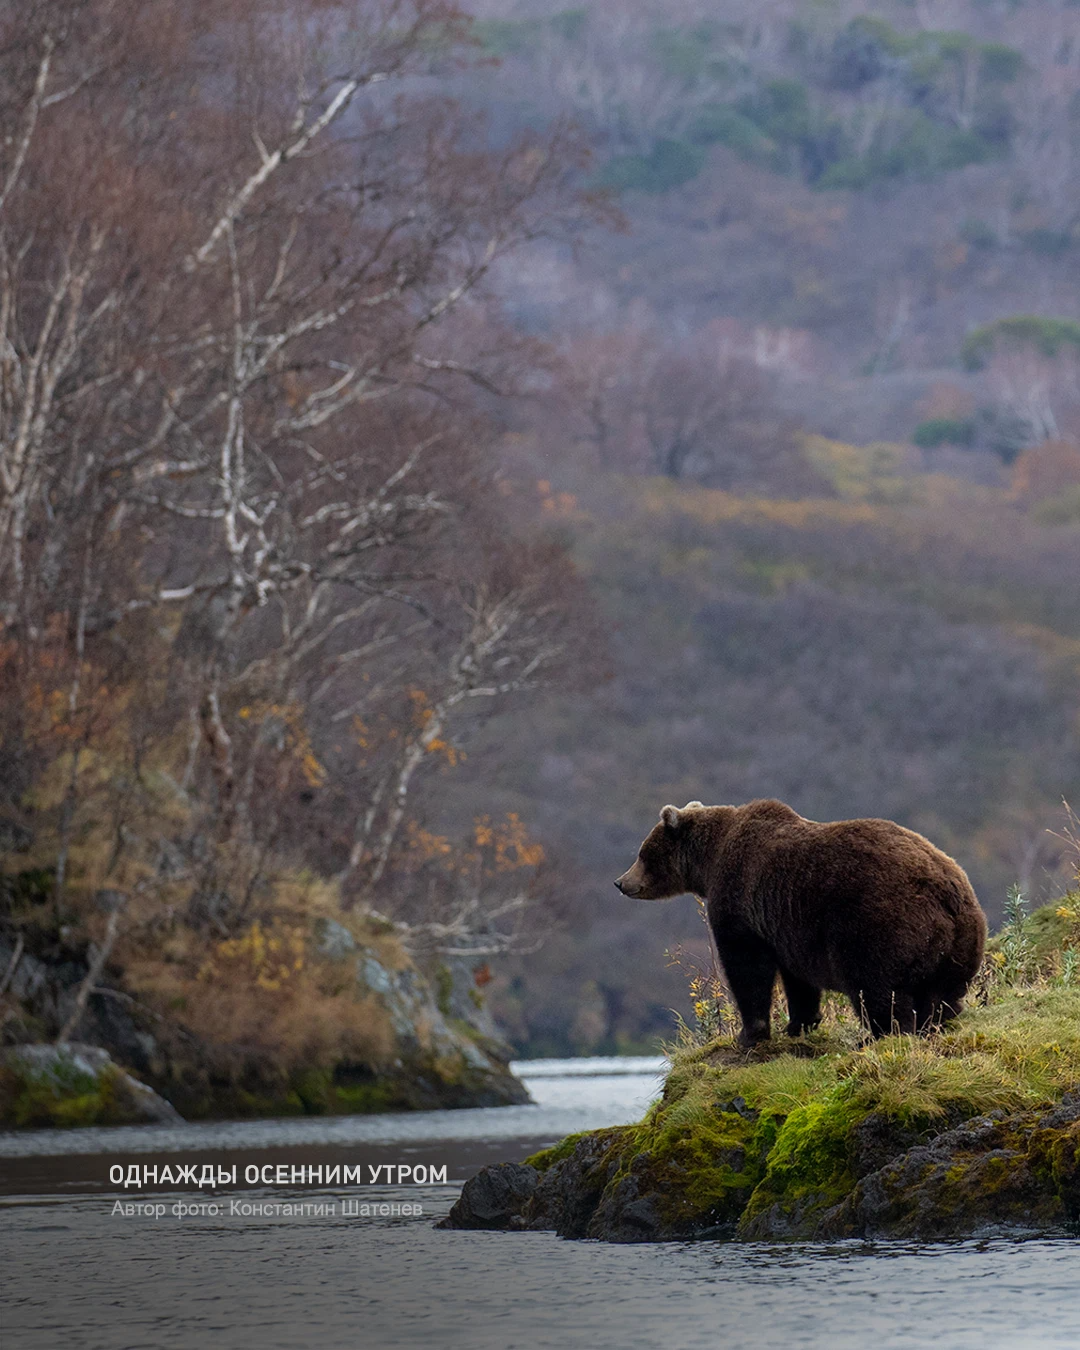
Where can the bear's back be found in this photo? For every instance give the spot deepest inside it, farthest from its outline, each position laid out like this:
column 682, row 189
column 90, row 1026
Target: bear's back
column 769, row 843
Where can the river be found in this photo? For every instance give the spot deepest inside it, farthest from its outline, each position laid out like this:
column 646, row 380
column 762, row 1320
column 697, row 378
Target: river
column 371, row 1271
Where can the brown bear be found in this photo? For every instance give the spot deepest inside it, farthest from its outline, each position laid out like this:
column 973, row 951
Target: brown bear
column 865, row 907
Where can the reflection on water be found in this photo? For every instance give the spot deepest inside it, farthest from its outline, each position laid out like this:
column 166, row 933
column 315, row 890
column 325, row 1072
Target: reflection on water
column 78, row 1275
column 569, row 1095
column 399, row 1284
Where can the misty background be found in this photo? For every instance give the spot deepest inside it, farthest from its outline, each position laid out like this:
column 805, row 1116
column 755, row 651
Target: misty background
column 412, row 483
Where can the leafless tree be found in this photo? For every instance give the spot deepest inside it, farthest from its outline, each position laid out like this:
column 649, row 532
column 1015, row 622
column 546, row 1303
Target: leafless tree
column 237, row 366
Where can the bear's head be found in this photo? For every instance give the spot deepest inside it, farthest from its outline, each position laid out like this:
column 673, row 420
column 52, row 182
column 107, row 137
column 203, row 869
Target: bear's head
column 666, row 861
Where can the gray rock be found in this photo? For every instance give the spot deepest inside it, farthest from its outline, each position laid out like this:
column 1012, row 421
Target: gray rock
column 465, row 1000
column 879, row 1139
column 628, row 1212
column 370, row 971
column 494, row 1198
column 569, row 1191
column 996, row 1173
column 739, row 1106
column 333, row 940
column 69, row 1071
column 422, row 1031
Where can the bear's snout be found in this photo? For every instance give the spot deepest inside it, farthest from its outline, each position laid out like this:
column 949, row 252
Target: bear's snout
column 629, row 884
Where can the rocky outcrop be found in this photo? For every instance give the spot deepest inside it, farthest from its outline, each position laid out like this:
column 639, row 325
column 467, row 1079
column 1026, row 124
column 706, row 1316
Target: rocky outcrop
column 74, row 1084
column 592, row 1186
column 431, row 1058
column 495, row 1198
column 999, row 1173
column 1018, row 1173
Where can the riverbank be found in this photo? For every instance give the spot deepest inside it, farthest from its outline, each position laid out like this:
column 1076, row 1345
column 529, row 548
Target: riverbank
column 304, row 1013
column 392, row 1279
column 567, row 1096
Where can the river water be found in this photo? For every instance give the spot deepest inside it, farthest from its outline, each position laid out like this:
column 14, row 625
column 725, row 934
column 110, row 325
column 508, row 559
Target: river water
column 371, row 1271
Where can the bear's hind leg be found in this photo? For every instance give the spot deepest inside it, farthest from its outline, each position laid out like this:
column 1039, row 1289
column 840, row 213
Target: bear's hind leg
column 936, row 1008
column 890, row 1014
column 750, row 967
column 804, row 1004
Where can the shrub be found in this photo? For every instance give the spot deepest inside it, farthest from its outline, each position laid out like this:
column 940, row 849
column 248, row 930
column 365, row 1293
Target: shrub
column 781, row 109
column 849, row 172
column 505, row 37
column 1049, row 243
column 1001, row 63
column 910, row 144
column 570, row 23
column 668, row 165
column 1049, row 336
column 685, row 52
column 860, row 53
column 721, row 124
column 944, row 431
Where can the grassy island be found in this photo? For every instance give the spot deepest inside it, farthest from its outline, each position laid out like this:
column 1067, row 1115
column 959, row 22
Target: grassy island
column 972, row 1127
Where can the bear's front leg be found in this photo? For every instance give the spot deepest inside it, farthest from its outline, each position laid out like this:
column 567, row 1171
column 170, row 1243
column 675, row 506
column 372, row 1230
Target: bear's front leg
column 804, row 1004
column 750, row 967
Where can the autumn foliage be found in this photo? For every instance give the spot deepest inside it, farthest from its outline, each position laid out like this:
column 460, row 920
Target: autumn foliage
column 255, row 584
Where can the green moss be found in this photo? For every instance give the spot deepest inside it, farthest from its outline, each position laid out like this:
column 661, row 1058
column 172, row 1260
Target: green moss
column 320, row 1094
column 241, row 1102
column 771, row 1141
column 62, row 1097
column 974, row 1182
column 707, row 1142
column 1057, row 1154
column 809, row 1168
column 465, row 1029
column 548, row 1157
column 315, row 1088
column 366, row 1098
column 717, row 1164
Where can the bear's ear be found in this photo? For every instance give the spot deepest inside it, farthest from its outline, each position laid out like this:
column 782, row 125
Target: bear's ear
column 670, row 816
column 690, row 804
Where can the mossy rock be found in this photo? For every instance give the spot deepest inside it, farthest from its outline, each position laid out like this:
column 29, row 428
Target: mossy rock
column 65, row 1086
column 972, row 1128
column 1017, row 1173
column 209, row 1083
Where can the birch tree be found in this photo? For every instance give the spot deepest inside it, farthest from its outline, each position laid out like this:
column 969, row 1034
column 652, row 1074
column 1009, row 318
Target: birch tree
column 243, row 316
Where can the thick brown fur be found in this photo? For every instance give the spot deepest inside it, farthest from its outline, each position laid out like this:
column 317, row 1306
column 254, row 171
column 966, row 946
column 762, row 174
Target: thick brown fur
column 864, row 907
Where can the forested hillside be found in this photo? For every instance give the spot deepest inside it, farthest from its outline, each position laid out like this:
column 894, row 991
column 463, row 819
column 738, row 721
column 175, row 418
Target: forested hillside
column 875, row 179
column 816, row 441
column 255, row 577
column 431, row 442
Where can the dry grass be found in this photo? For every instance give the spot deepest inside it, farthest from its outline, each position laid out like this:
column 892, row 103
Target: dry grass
column 253, row 984
column 269, row 990
column 1018, row 1045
